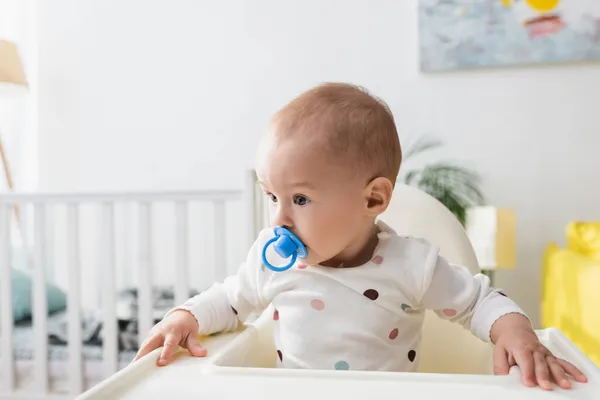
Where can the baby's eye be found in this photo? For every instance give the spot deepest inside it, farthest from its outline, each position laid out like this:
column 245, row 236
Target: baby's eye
column 272, row 197
column 301, row 200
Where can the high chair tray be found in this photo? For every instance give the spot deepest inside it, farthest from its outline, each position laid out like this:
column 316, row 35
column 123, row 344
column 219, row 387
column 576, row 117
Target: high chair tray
column 235, row 369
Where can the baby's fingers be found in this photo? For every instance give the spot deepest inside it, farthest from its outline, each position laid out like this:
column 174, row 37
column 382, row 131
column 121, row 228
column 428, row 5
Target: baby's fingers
column 151, row 343
column 524, row 360
column 542, row 371
column 169, row 348
column 194, row 347
column 572, row 370
column 558, row 373
column 501, row 365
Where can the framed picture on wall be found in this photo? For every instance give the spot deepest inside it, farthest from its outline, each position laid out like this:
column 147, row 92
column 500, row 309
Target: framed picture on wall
column 463, row 34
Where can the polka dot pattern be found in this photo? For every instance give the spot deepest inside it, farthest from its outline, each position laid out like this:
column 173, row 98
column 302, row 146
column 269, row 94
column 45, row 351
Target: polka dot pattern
column 394, row 334
column 317, row 304
column 275, row 315
column 371, row 294
column 448, row 312
column 412, row 355
column 280, row 355
column 342, row 366
column 377, row 260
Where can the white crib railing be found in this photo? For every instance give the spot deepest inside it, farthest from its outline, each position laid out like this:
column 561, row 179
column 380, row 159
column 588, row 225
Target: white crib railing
column 105, row 203
column 6, row 313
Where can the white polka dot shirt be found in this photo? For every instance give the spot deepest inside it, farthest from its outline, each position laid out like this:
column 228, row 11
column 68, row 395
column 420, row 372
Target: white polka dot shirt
column 362, row 318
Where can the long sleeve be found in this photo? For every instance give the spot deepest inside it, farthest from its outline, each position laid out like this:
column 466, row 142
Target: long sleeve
column 454, row 293
column 225, row 305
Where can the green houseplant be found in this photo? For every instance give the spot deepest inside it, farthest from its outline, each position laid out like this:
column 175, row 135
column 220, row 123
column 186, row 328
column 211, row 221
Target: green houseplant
column 455, row 186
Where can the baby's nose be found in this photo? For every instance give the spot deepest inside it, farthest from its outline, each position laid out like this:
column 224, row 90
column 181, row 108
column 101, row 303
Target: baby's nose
column 282, row 219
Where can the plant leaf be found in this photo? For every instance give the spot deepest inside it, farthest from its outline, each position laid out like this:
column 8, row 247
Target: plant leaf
column 410, row 176
column 454, row 186
column 421, row 145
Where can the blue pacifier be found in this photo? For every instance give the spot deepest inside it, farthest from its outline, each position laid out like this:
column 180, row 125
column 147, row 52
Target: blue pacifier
column 286, row 244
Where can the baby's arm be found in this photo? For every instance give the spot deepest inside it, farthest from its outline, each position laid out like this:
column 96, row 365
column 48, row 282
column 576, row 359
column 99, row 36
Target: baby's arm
column 225, row 305
column 221, row 308
column 454, row 293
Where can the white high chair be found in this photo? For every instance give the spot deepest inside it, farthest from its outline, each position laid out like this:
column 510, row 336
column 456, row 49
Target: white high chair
column 240, row 364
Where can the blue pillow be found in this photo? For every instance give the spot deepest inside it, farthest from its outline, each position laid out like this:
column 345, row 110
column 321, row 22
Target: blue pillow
column 22, row 289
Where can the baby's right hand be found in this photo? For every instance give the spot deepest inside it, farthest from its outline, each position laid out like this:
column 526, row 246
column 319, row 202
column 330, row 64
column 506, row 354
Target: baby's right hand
column 178, row 329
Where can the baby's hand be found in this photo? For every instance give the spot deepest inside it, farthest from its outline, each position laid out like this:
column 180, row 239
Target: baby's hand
column 517, row 344
column 178, row 329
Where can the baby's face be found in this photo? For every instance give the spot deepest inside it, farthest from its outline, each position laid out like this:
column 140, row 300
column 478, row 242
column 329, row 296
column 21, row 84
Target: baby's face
column 319, row 201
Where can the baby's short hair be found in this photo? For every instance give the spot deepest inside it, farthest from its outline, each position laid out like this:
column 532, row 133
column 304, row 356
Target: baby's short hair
column 351, row 122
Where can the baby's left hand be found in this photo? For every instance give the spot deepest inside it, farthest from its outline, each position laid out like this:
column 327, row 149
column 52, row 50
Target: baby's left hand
column 517, row 344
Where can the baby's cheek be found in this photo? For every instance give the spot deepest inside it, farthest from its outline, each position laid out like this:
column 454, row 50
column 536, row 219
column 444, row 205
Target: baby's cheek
column 335, row 238
column 327, row 231
column 321, row 243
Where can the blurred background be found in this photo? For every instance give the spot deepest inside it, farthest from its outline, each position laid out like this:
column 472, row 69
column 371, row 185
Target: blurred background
column 154, row 95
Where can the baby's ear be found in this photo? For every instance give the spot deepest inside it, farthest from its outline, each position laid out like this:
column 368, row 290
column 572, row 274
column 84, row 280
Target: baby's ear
column 378, row 194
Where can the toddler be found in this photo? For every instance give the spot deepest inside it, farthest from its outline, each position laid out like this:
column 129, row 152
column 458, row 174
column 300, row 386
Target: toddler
column 356, row 300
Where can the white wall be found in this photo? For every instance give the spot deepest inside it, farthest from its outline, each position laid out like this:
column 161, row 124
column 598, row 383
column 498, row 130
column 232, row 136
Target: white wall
column 153, row 94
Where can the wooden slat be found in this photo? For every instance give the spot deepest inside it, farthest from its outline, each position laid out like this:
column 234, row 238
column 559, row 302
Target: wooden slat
column 220, row 241
column 145, row 272
column 7, row 373
column 74, row 301
column 181, row 238
column 125, row 215
column 108, row 293
column 40, row 307
column 49, row 232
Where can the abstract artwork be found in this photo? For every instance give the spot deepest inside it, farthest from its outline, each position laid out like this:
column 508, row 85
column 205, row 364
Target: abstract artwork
column 461, row 34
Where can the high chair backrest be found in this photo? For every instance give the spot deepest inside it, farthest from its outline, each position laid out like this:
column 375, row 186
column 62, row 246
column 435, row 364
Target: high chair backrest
column 445, row 347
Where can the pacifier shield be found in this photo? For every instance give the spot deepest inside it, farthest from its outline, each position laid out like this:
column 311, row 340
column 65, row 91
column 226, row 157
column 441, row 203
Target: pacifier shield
column 286, row 245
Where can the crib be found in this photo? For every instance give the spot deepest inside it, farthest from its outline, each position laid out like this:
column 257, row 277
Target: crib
column 95, row 266
column 240, row 363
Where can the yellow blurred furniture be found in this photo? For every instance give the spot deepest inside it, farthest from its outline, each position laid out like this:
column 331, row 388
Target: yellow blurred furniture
column 571, row 287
